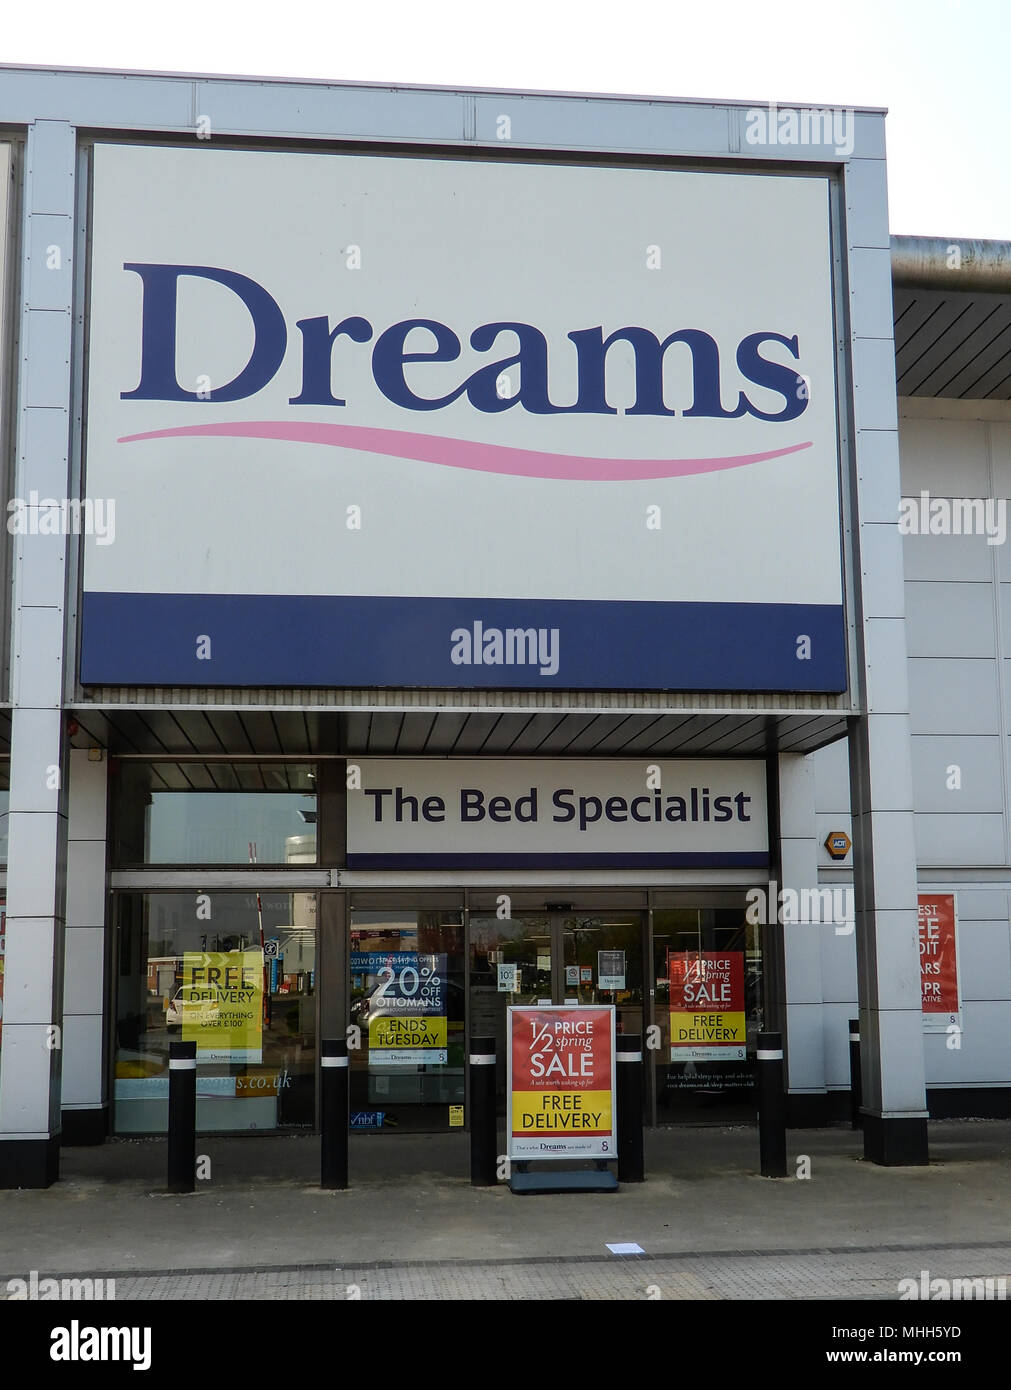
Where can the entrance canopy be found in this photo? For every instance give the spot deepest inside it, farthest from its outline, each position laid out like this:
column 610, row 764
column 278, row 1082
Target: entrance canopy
column 208, row 731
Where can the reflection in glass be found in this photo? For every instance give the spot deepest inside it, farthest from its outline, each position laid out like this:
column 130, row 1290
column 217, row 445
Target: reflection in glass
column 710, row 1089
column 213, row 813
column 234, row 972
column 407, row 1005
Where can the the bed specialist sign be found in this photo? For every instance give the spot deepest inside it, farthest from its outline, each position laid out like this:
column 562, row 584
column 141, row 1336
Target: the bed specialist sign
column 481, row 813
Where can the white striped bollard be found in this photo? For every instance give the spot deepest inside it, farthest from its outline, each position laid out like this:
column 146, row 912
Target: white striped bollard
column 483, row 1129
column 182, row 1117
column 771, row 1105
column 856, row 1081
column 631, row 1163
column 333, row 1127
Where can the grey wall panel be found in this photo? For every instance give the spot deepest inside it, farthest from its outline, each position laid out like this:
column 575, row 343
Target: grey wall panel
column 949, row 619
column 952, row 557
column 631, row 125
column 866, row 193
column 874, row 393
column 1004, row 604
column 368, row 113
column 955, row 839
column 46, row 443
column 879, row 473
column 985, row 959
column 1002, row 548
column 946, row 457
column 981, row 904
column 870, row 287
column 972, row 765
column 838, row 966
column 48, row 349
column 50, row 247
column 1000, row 454
column 832, row 777
column 951, row 696
column 97, row 99
column 835, row 1020
column 982, row 1058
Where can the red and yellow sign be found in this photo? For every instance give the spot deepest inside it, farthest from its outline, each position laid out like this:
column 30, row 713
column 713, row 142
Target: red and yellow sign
column 707, row 1006
column 561, row 1082
column 938, row 961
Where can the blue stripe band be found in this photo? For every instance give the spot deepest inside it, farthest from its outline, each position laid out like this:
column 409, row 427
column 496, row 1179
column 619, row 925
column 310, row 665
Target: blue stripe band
column 291, row 640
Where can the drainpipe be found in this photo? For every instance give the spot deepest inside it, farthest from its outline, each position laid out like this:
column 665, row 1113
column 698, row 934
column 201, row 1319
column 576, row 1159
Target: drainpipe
column 951, row 263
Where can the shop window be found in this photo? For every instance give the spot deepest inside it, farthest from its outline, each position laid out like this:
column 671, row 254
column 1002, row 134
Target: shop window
column 236, row 974
column 213, row 813
column 407, row 1012
column 709, row 1011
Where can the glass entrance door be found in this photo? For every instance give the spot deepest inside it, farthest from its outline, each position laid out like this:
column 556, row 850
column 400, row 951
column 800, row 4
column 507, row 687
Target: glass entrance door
column 406, row 1007
column 602, row 961
column 554, row 957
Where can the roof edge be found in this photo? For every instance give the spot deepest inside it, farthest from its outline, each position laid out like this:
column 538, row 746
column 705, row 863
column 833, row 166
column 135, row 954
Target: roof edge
column 951, row 263
column 382, row 85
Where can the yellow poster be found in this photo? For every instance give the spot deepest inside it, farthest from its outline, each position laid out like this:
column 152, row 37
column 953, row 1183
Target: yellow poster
column 413, row 1038
column 562, row 1112
column 222, row 1004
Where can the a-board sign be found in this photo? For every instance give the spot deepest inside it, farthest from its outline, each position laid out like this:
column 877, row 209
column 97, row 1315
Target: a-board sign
column 560, row 1063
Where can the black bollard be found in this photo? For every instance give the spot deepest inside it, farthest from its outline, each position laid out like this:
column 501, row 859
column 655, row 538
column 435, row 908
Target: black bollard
column 483, row 1128
column 333, row 1125
column 771, row 1105
column 631, row 1164
column 856, row 1082
column 182, row 1117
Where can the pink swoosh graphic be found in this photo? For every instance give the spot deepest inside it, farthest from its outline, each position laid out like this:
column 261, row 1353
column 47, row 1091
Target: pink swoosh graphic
column 463, row 453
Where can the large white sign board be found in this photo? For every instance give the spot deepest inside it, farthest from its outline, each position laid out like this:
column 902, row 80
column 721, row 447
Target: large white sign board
column 379, row 420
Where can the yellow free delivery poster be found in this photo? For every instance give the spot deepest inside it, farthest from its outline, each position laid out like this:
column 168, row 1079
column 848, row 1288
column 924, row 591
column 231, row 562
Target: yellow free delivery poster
column 222, row 1004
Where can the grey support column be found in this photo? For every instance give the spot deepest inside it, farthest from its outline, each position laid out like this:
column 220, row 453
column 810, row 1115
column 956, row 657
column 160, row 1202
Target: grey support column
column 85, row 1101
column 32, row 1051
column 807, row 1099
column 884, row 855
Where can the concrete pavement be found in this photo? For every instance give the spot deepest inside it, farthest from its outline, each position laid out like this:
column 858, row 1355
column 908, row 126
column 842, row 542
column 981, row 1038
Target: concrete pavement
column 411, row 1226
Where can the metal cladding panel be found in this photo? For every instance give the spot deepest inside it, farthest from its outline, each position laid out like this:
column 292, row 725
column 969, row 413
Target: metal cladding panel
column 95, row 99
column 978, row 763
column 571, row 513
column 950, row 619
column 947, row 458
column 951, row 696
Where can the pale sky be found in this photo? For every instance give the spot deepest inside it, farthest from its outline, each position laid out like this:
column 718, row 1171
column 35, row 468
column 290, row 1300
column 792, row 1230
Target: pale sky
column 941, row 67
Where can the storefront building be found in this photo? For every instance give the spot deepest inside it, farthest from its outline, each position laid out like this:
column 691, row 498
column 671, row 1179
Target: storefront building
column 453, row 562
